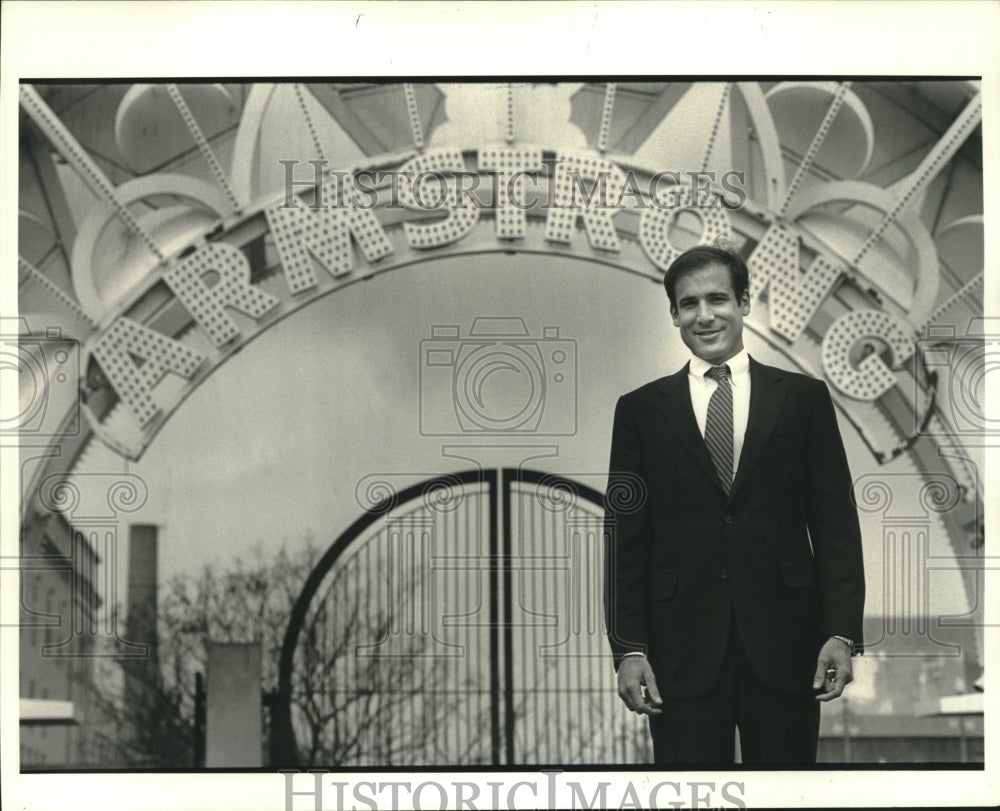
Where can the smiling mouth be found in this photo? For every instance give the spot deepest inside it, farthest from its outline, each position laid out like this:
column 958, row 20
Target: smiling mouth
column 708, row 333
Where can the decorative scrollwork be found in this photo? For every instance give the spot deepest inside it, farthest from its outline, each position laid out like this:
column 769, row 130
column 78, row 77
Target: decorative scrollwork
column 626, row 493
column 127, row 495
column 376, row 494
column 556, row 494
column 444, row 494
column 940, row 494
column 59, row 494
column 873, row 496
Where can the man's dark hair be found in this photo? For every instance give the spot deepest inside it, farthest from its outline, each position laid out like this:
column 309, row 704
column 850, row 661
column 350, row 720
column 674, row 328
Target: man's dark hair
column 700, row 256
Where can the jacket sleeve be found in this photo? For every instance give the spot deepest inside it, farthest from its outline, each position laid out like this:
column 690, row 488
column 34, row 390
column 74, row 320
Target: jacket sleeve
column 832, row 519
column 626, row 533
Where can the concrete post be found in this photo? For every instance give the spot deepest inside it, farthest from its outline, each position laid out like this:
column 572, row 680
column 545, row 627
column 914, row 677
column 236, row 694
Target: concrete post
column 233, row 732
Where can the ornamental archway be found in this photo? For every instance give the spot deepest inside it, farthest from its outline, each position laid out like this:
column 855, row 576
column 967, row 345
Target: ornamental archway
column 266, row 254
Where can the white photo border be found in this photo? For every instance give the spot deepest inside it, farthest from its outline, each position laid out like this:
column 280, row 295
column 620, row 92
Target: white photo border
column 113, row 40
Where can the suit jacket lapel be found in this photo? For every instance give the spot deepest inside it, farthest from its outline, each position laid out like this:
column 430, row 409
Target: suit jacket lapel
column 767, row 397
column 674, row 404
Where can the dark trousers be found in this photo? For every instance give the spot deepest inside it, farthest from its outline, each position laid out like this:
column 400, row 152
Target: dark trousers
column 776, row 728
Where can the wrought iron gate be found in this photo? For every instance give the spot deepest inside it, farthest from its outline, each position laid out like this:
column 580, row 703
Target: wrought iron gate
column 458, row 621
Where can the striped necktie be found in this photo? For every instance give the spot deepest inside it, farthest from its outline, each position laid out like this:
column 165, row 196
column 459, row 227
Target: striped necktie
column 719, row 425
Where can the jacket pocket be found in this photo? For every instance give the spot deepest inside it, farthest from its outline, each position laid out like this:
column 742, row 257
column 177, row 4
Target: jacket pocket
column 798, row 575
column 663, row 586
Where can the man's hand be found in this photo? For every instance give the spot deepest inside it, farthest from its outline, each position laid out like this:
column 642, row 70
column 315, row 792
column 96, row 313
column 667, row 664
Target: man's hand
column 634, row 674
column 833, row 669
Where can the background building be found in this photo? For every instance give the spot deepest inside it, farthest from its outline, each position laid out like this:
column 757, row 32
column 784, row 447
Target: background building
column 58, row 587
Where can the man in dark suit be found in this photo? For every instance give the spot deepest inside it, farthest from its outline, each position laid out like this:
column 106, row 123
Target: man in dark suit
column 735, row 582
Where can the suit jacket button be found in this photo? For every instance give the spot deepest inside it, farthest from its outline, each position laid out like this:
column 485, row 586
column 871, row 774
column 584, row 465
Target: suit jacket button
column 728, row 519
column 725, row 574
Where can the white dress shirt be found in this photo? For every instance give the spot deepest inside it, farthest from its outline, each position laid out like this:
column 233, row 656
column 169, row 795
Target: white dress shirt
column 702, row 388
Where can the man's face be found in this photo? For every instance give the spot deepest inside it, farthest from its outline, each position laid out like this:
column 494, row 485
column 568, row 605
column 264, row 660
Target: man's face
column 708, row 315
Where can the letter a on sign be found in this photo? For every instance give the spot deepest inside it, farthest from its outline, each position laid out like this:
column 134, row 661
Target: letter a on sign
column 117, row 351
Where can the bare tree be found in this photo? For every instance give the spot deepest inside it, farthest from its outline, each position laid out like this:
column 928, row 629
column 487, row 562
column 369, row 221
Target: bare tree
column 370, row 686
column 347, row 708
column 149, row 705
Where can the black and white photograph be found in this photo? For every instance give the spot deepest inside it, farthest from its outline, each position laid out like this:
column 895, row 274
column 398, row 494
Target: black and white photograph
column 398, row 414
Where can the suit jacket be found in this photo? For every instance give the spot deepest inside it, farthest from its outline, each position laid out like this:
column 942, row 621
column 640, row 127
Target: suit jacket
column 781, row 554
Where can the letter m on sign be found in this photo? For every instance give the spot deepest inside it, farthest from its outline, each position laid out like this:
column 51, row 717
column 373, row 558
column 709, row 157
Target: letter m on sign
column 326, row 235
column 792, row 296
